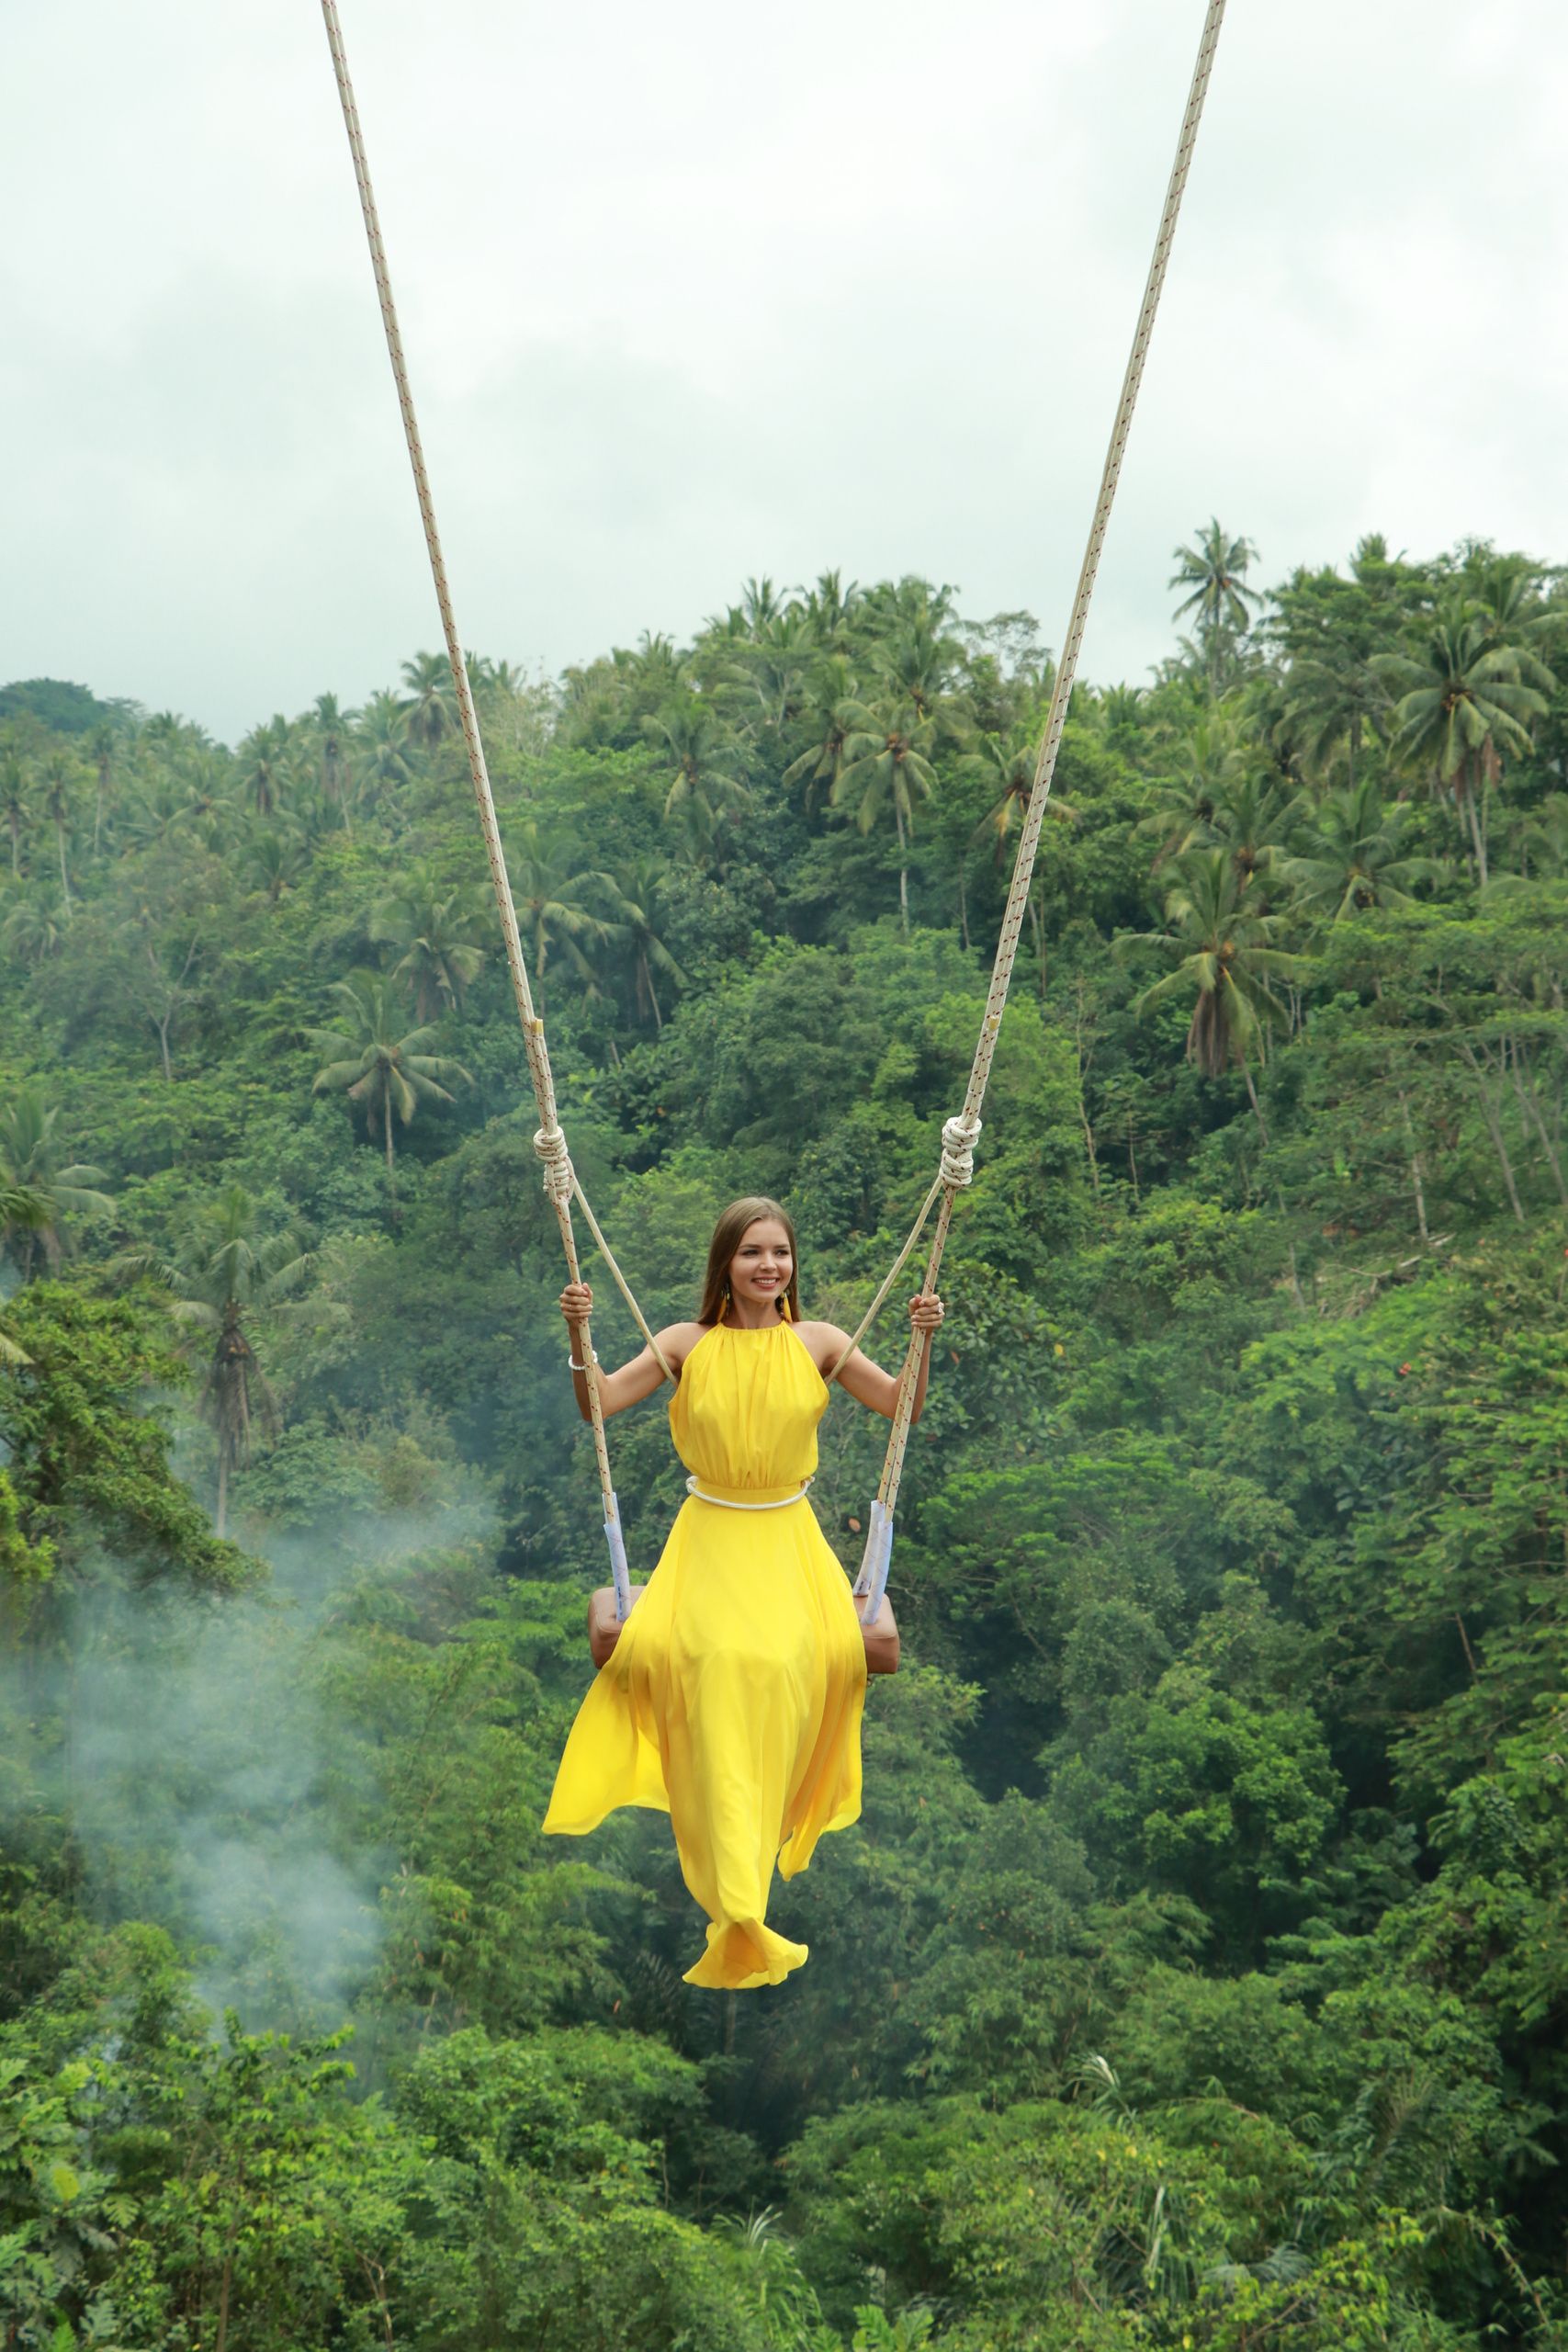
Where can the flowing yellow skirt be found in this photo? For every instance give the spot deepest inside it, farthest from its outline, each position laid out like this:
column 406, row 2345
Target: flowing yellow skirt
column 733, row 1702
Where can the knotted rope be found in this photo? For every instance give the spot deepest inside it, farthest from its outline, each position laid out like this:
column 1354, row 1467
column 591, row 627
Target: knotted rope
column 957, row 1169
column 560, row 1177
column 561, row 1185
column 873, row 1577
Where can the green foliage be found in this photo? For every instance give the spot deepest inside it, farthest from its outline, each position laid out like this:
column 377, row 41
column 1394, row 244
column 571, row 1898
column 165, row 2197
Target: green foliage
column 1194, row 1975
column 88, row 1464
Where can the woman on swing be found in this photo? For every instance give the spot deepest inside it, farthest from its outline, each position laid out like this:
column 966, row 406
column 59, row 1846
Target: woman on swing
column 733, row 1697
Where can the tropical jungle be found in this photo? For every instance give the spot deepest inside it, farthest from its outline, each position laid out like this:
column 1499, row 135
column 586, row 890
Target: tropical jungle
column 1198, row 1974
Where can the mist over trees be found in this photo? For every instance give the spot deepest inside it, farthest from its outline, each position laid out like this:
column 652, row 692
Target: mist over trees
column 1197, row 1976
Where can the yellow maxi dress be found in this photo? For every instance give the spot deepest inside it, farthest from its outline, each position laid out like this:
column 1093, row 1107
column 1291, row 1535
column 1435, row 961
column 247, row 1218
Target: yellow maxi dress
column 733, row 1697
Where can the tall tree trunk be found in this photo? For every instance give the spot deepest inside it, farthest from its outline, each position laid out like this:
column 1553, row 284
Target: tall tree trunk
column 221, row 2340
column 1478, row 843
column 1252, row 1097
column 962, row 905
column 65, row 877
column 903, row 869
column 1531, row 1111
column 391, row 1171
column 1417, row 1185
column 652, row 992
column 1083, row 1105
column 1495, row 1129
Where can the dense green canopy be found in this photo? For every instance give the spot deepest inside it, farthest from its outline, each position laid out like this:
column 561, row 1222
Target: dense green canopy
column 1197, row 1974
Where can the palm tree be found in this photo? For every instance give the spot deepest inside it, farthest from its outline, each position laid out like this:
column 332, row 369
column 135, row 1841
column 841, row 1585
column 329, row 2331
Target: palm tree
column 375, row 1067
column 31, row 934
column 761, row 605
column 702, row 833
column 30, row 1164
column 830, row 606
column 437, row 929
column 432, row 702
column 886, row 766
column 1506, row 593
column 102, row 744
column 638, row 886
column 225, row 1273
column 1228, row 966
column 167, row 732
column 1215, row 575
column 266, row 758
column 157, row 809
column 919, row 662
column 1349, row 855
column 1328, row 628
column 1116, row 715
column 1543, row 841
column 22, row 1210
column 894, row 605
column 383, row 728
column 1011, row 774
column 1252, row 822
column 1210, row 762
column 705, row 758
column 59, row 774
column 776, row 665
column 332, row 726
column 550, row 898
column 1331, row 705
column 1466, row 700
column 839, row 714
column 653, row 672
column 15, row 803
column 276, row 860
column 204, row 800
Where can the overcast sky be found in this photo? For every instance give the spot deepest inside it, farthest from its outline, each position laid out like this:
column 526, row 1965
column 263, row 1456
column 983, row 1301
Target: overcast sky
column 696, row 291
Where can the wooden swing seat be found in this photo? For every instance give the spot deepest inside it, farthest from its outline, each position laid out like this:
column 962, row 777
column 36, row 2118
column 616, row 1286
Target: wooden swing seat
column 880, row 1636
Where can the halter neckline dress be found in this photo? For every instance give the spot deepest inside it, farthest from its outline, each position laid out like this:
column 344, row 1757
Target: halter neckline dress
column 734, row 1695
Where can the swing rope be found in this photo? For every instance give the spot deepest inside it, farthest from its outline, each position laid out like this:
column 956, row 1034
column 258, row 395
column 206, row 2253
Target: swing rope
column 559, row 1177
column 872, row 1581
column 961, row 1133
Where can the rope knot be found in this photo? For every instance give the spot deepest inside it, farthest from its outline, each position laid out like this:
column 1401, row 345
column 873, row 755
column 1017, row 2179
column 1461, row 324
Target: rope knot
column 550, row 1145
column 959, row 1137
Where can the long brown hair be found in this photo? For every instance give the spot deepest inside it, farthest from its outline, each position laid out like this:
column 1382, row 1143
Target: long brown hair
column 728, row 1234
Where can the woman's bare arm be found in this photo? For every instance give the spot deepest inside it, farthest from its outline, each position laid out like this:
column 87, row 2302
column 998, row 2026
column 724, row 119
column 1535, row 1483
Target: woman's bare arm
column 866, row 1382
column 633, row 1381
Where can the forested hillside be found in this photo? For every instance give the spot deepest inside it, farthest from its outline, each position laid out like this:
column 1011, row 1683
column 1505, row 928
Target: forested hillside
column 1197, row 1974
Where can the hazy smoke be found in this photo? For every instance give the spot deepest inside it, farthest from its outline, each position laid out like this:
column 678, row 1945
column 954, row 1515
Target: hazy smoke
column 211, row 1791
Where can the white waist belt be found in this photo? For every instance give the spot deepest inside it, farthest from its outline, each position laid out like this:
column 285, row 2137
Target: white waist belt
column 724, row 1502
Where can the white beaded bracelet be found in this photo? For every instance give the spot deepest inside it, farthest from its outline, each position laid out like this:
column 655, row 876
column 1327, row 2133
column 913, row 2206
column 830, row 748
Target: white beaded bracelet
column 574, row 1366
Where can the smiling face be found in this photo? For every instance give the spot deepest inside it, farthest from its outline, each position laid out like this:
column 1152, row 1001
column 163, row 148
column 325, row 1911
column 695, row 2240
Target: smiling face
column 760, row 1269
